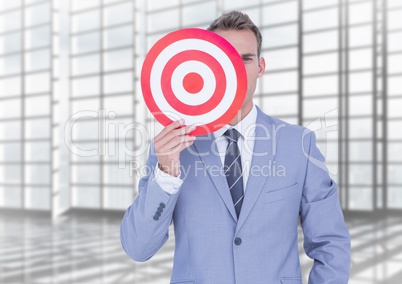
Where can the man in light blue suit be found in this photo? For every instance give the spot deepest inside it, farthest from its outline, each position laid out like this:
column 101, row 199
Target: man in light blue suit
column 240, row 226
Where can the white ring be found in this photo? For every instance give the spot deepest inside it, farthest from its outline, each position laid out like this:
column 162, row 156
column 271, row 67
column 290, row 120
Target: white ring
column 214, row 51
column 207, row 76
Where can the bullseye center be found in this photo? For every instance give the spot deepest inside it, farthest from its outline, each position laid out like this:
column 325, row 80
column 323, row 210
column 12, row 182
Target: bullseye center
column 193, row 83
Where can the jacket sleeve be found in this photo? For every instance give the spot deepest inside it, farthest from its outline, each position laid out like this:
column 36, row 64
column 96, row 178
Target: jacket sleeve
column 326, row 237
column 145, row 225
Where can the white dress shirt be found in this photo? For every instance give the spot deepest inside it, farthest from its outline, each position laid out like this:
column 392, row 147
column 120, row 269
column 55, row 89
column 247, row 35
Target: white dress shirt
column 246, row 127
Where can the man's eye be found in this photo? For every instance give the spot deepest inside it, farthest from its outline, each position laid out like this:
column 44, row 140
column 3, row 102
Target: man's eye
column 247, row 59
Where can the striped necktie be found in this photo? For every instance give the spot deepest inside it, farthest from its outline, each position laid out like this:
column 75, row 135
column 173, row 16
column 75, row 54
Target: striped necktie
column 233, row 169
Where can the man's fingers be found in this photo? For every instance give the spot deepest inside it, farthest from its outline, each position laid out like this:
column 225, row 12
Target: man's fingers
column 174, row 144
column 169, row 128
column 175, row 136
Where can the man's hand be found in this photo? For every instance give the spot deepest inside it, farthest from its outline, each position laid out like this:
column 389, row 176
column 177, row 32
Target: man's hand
column 169, row 143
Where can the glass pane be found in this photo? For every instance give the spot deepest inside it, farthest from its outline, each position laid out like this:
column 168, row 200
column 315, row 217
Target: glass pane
column 37, row 15
column 10, row 86
column 86, row 21
column 37, row 174
column 86, row 105
column 171, row 21
column 38, row 37
column 395, row 174
column 360, row 36
column 10, row 65
column 111, row 1
column 281, row 59
column 360, row 128
column 360, row 13
column 37, row 83
column 310, row 4
column 235, row 4
column 8, row 5
column 37, row 60
column 326, row 85
column 86, row 197
column 395, row 64
column 118, row 145
column 200, row 13
column 114, row 175
column 117, row 60
column 80, row 5
column 10, row 21
column 316, row 108
column 118, row 14
column 395, row 197
column 394, row 152
column 86, row 64
column 394, row 3
column 85, row 129
column 360, row 151
column 395, row 86
column 37, row 198
column 10, row 174
column 118, row 37
column 360, row 105
column 37, row 105
column 37, row 151
column 86, row 43
column 360, row 82
column 157, row 4
column 360, row 198
column 37, row 128
column 118, row 197
column 320, row 64
column 10, row 152
column 10, row 108
column 360, row 174
column 85, row 152
column 116, row 83
column 395, row 107
column 10, row 130
column 10, row 196
column 394, row 129
column 394, row 42
column 394, row 20
column 281, row 82
column 360, row 59
column 280, row 13
column 330, row 152
column 279, row 36
column 121, row 105
column 321, row 42
column 86, row 86
column 281, row 105
column 321, row 19
column 85, row 174
column 10, row 43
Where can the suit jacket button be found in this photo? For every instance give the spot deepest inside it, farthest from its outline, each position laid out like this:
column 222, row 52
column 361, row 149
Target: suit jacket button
column 237, row 241
column 156, row 218
column 162, row 205
column 158, row 214
column 160, row 209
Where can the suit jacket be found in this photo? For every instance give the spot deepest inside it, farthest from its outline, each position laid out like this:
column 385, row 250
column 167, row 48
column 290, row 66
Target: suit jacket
column 288, row 181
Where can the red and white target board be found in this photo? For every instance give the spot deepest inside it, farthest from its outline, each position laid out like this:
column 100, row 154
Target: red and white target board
column 195, row 75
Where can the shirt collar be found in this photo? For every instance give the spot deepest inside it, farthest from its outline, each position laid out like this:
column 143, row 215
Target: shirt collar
column 245, row 127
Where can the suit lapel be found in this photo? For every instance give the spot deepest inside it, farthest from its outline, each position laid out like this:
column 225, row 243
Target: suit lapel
column 263, row 153
column 207, row 151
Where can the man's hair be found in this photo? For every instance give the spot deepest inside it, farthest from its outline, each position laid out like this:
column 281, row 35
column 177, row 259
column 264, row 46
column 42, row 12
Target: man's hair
column 236, row 20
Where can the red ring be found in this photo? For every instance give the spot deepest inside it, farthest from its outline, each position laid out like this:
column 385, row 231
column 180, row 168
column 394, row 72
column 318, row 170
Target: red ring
column 216, row 68
column 225, row 46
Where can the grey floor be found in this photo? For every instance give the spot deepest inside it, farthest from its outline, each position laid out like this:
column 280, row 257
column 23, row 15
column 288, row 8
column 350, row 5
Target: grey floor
column 86, row 249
